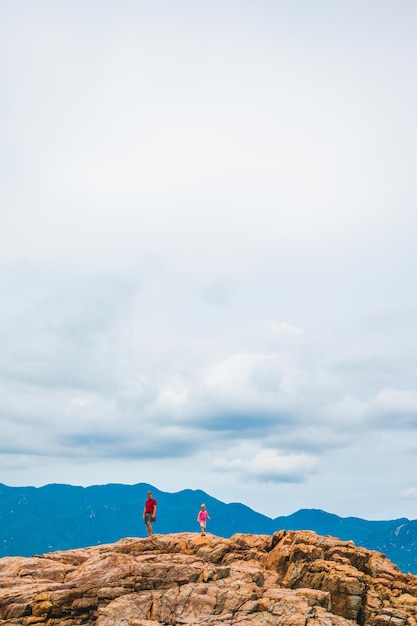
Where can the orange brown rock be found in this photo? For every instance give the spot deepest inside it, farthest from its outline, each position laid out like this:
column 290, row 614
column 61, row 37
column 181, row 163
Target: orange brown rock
column 292, row 578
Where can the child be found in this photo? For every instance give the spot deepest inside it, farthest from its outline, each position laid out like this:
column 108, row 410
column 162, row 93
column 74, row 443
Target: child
column 202, row 518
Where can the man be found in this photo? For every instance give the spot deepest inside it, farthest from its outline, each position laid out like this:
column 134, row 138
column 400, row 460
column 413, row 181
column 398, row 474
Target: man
column 149, row 512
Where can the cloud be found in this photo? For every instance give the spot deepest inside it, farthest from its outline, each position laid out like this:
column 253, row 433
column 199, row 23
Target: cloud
column 394, row 409
column 58, row 324
column 166, row 443
column 246, row 374
column 314, row 439
column 96, row 382
column 270, row 465
column 282, row 329
column 410, row 493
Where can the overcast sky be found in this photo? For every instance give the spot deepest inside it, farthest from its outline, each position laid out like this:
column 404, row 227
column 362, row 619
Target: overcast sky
column 208, row 249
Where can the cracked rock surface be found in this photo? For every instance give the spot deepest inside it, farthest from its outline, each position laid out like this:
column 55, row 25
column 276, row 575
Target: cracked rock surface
column 292, row 578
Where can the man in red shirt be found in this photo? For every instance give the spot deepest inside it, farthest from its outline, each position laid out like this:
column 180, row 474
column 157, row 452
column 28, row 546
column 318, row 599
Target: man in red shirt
column 149, row 512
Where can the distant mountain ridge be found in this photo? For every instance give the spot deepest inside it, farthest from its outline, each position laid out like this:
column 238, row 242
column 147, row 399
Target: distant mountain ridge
column 35, row 520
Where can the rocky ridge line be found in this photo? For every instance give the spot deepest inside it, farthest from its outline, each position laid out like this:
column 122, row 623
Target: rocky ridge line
column 292, row 578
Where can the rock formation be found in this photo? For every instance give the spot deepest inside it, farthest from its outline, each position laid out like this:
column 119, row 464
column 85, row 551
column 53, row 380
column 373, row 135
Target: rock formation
column 292, row 578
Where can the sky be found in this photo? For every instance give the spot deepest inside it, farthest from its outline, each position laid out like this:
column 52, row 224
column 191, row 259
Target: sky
column 207, row 249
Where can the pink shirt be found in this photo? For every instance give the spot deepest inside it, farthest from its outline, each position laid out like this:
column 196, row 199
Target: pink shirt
column 202, row 516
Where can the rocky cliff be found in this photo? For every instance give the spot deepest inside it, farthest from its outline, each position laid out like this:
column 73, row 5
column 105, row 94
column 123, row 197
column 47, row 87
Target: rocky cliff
column 293, row 578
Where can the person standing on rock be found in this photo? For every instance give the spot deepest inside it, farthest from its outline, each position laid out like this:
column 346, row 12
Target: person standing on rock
column 149, row 512
column 202, row 518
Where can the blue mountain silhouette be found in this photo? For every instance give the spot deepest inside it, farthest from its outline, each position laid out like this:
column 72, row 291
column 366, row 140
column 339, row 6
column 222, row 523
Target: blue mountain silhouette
column 35, row 520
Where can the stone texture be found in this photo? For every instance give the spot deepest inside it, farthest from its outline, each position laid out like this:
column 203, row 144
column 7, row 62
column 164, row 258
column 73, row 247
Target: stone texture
column 293, row 578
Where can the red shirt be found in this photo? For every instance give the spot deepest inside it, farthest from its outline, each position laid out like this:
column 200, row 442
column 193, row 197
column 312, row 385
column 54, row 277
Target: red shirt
column 150, row 504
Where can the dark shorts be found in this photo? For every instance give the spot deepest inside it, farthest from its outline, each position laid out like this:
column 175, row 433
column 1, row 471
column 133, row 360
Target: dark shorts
column 148, row 518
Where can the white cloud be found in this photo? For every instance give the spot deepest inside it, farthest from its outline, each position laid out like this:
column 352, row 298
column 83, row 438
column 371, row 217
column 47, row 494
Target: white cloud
column 270, row 466
column 246, row 374
column 394, row 409
column 282, row 329
column 346, row 410
column 410, row 493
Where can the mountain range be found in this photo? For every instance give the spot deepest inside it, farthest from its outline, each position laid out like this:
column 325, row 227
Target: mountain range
column 36, row 520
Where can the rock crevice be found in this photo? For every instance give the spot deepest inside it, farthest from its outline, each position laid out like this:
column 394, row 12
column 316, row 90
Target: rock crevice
column 292, row 578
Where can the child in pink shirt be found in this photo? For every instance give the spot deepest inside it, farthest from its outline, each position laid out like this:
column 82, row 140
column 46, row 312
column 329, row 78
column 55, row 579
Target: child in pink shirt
column 202, row 518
